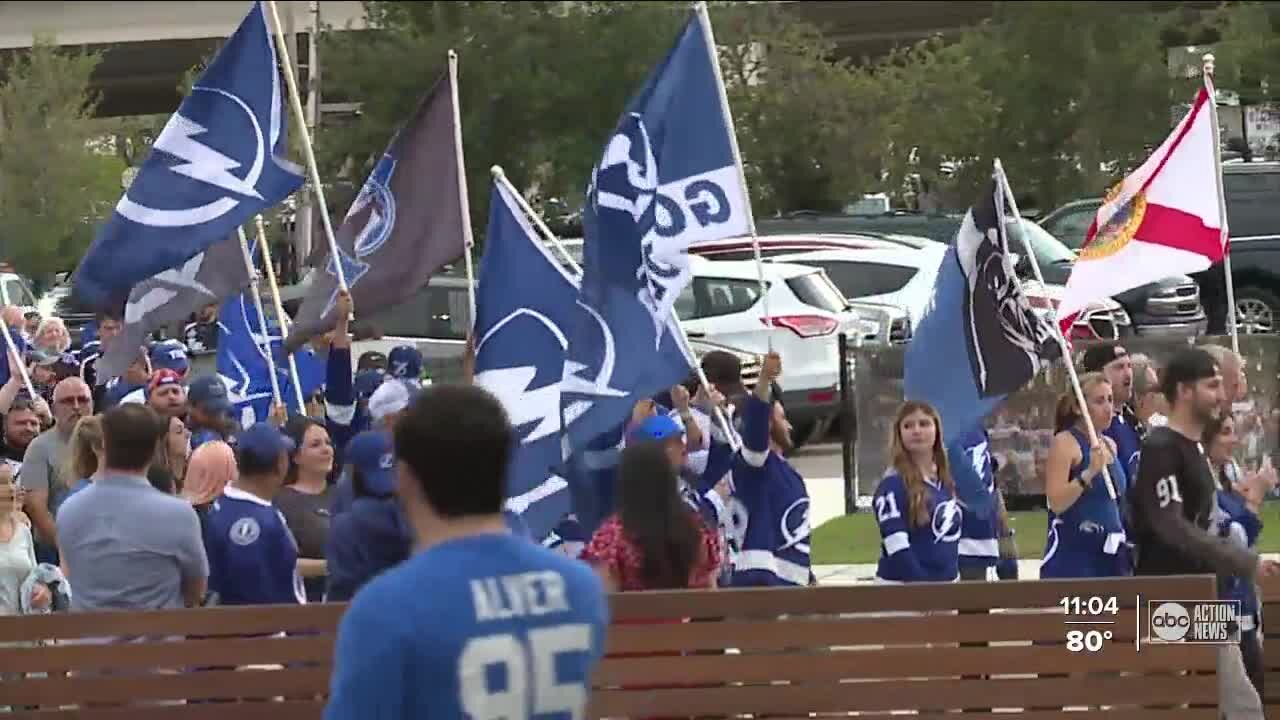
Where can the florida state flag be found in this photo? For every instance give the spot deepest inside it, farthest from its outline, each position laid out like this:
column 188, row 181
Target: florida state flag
column 1162, row 220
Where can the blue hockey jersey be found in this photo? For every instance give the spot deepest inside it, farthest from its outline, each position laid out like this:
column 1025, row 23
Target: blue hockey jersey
column 927, row 553
column 484, row 626
column 775, row 541
column 979, row 545
column 253, row 557
column 1233, row 520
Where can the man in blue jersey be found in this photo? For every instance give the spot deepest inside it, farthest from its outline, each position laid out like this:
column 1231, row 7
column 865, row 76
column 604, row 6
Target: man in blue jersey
column 487, row 625
column 209, row 411
column 1113, row 361
column 769, row 491
column 253, row 557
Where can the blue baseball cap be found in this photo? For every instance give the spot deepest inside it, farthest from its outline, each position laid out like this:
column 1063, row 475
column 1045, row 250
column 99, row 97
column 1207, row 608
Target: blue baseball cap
column 170, row 355
column 371, row 453
column 656, row 427
column 366, row 381
column 263, row 442
column 405, row 362
column 208, row 393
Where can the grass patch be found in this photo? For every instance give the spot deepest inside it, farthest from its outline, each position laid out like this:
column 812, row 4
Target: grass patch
column 855, row 539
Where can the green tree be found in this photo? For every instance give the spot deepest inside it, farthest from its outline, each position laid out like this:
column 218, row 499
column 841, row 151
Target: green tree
column 540, row 85
column 1248, row 53
column 1079, row 98
column 57, row 179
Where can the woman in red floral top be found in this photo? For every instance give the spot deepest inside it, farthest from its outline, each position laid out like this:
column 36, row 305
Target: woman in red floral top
column 654, row 541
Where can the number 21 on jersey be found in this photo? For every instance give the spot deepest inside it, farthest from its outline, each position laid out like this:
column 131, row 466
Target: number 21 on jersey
column 886, row 507
column 527, row 677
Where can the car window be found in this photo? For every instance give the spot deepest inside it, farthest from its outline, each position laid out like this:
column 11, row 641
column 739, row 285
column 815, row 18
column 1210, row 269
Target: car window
column 440, row 313
column 1071, row 226
column 17, row 293
column 815, row 289
column 1253, row 203
column 857, row 280
column 711, row 297
column 1049, row 250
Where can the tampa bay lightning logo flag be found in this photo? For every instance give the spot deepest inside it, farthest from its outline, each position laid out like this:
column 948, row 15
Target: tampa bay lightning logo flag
column 668, row 178
column 216, row 164
column 524, row 302
column 242, row 362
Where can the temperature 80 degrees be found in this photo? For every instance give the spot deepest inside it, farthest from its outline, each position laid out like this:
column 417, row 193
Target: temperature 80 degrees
column 1087, row 640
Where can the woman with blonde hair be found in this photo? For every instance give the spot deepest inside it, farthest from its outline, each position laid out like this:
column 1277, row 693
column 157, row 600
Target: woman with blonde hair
column 85, row 453
column 52, row 336
column 1086, row 536
column 212, row 467
column 915, row 504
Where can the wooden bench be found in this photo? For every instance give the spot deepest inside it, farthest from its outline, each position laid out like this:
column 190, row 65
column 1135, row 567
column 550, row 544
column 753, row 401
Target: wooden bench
column 763, row 653
column 1271, row 644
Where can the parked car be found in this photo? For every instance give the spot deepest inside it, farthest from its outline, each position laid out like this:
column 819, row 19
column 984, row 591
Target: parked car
column 1252, row 191
column 900, row 271
column 1170, row 307
column 905, row 278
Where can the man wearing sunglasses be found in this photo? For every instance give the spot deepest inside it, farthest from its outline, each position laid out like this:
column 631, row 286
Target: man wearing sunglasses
column 44, row 466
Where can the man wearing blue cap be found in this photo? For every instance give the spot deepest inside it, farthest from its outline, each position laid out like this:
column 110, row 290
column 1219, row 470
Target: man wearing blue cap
column 404, row 362
column 373, row 535
column 209, row 411
column 170, row 355
column 253, row 557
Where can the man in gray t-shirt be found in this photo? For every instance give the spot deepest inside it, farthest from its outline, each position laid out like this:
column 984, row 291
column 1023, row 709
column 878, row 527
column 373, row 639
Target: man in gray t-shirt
column 44, row 465
column 126, row 545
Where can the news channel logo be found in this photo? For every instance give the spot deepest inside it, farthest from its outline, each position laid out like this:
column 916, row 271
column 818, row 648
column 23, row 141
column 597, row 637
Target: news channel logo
column 1195, row 622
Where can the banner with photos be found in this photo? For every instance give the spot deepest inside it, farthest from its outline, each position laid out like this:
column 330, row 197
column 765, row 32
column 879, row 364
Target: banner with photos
column 1022, row 427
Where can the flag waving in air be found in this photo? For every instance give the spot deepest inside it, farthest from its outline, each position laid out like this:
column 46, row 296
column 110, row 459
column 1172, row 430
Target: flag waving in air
column 206, row 279
column 979, row 340
column 667, row 178
column 406, row 223
column 216, row 164
column 1161, row 220
column 524, row 302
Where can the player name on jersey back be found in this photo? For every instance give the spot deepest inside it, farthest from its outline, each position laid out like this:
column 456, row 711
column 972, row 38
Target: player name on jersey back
column 531, row 594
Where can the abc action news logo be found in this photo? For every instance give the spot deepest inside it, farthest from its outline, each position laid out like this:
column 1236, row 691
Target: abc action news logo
column 1201, row 622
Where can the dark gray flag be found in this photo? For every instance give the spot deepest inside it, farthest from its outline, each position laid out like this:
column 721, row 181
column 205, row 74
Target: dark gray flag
column 208, row 278
column 406, row 223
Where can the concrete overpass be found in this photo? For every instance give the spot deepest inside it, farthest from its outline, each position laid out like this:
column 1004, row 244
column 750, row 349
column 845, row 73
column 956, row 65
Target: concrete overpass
column 148, row 46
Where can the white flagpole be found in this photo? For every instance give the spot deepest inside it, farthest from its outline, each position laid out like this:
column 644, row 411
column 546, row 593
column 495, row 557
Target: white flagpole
column 17, row 356
column 1225, row 232
column 280, row 314
column 262, row 315
column 468, row 240
column 705, row 20
column 1053, row 320
column 680, row 337
column 295, row 101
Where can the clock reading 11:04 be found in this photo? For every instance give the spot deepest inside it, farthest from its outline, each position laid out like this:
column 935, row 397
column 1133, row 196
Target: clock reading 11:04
column 1091, row 605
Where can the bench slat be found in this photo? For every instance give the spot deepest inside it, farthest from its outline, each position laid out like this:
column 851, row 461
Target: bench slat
column 766, row 602
column 208, row 685
column 941, row 662
column 216, row 621
column 1111, row 714
column 182, row 653
column 287, row 710
column 748, row 635
column 884, row 696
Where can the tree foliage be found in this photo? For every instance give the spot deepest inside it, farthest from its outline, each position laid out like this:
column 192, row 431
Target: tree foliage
column 56, row 180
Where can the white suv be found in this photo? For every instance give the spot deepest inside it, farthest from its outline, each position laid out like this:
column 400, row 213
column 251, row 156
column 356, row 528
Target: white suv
column 807, row 313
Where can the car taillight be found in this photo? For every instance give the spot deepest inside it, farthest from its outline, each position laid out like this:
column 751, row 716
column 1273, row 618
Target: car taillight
column 806, row 326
